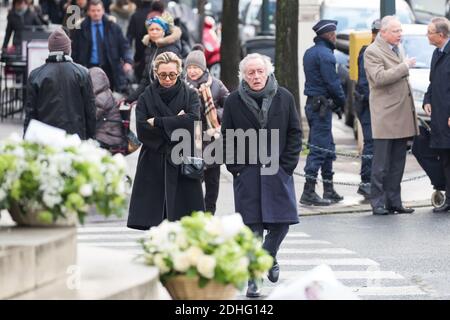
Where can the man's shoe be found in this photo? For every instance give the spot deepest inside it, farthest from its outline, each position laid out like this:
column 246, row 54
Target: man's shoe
column 364, row 190
column 380, row 211
column 400, row 210
column 444, row 208
column 330, row 194
column 310, row 197
column 253, row 290
column 274, row 273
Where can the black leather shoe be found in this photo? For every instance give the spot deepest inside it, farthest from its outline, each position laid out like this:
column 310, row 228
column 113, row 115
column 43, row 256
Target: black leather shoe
column 400, row 210
column 380, row 211
column 253, row 290
column 444, row 208
column 274, row 273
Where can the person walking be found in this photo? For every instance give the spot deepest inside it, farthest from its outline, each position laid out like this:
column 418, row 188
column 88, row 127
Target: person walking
column 99, row 42
column 160, row 190
column 392, row 113
column 436, row 102
column 266, row 200
column 60, row 93
column 322, row 83
column 362, row 92
column 212, row 93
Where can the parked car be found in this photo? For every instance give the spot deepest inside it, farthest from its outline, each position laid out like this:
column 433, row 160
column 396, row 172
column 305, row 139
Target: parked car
column 425, row 10
column 415, row 43
column 359, row 15
column 250, row 19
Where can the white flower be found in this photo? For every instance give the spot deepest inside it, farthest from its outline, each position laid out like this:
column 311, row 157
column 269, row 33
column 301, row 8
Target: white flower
column 86, row 190
column 243, row 263
column 206, row 265
column 181, row 240
column 194, row 254
column 119, row 160
column 160, row 263
column 214, row 227
column 2, row 195
column 181, row 262
column 231, row 225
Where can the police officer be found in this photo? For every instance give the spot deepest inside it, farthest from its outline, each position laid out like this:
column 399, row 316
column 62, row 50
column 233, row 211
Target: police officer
column 363, row 113
column 322, row 86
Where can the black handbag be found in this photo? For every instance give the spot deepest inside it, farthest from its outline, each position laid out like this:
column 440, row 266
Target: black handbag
column 193, row 167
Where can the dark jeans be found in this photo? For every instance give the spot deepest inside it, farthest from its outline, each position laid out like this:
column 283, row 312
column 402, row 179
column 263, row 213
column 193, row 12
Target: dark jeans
column 319, row 135
column 444, row 154
column 212, row 182
column 276, row 232
column 366, row 163
column 388, row 165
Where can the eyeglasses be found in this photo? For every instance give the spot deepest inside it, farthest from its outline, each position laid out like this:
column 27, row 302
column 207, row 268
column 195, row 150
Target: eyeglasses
column 171, row 76
column 434, row 32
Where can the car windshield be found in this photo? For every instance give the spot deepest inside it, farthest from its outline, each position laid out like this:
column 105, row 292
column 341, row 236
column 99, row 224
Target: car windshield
column 417, row 46
column 359, row 18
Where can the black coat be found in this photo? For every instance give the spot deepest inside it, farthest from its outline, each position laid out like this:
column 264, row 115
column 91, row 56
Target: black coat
column 60, row 94
column 136, row 31
column 438, row 95
column 265, row 198
column 17, row 24
column 116, row 46
column 159, row 190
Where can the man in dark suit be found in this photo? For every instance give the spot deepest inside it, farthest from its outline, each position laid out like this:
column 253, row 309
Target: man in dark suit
column 100, row 43
column 437, row 96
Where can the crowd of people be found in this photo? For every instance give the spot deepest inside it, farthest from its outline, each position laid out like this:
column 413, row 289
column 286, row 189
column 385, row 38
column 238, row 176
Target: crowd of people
column 73, row 91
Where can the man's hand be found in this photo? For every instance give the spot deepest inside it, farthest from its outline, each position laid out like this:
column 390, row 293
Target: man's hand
column 410, row 62
column 181, row 113
column 427, row 109
column 151, row 122
column 127, row 67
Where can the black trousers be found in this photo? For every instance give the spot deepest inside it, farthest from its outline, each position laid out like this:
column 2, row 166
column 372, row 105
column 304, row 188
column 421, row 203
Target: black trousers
column 276, row 232
column 212, row 182
column 444, row 155
column 388, row 165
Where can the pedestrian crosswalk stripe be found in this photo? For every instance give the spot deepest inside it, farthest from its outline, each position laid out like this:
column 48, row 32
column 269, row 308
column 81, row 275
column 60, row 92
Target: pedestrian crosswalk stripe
column 315, row 251
column 296, row 241
column 114, row 244
column 388, row 291
column 331, row 262
column 348, row 275
column 115, row 236
column 105, row 229
column 297, row 235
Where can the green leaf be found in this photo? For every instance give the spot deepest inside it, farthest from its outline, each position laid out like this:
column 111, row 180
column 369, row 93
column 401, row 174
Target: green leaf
column 202, row 282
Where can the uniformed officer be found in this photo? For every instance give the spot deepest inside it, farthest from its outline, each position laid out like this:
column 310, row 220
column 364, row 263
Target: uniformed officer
column 322, row 84
column 363, row 113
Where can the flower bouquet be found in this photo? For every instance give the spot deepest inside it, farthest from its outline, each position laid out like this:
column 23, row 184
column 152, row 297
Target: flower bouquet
column 45, row 184
column 205, row 257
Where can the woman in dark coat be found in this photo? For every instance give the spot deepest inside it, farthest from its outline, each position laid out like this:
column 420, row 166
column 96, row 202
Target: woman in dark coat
column 160, row 191
column 263, row 194
column 212, row 94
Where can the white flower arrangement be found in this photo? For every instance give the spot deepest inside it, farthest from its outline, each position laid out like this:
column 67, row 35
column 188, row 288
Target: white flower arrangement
column 62, row 178
column 222, row 249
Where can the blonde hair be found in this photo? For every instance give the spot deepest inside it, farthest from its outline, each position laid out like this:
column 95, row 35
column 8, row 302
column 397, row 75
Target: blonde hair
column 165, row 58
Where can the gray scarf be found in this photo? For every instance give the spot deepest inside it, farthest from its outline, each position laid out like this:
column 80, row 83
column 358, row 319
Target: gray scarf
column 267, row 94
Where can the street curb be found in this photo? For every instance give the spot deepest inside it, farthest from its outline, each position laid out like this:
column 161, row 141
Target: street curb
column 360, row 208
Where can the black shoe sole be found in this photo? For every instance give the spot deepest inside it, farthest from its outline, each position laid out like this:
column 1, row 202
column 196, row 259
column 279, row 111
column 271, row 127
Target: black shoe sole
column 308, row 203
column 255, row 295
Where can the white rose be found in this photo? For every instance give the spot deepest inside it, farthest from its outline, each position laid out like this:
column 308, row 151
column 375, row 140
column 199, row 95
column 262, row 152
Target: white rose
column 181, row 241
column 86, row 190
column 231, row 225
column 243, row 263
column 206, row 265
column 160, row 264
column 181, row 262
column 194, row 254
column 213, row 226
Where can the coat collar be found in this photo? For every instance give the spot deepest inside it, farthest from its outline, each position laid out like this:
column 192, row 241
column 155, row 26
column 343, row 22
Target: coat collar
column 324, row 42
column 384, row 46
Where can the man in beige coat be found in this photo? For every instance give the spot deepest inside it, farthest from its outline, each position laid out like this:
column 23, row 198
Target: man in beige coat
column 392, row 114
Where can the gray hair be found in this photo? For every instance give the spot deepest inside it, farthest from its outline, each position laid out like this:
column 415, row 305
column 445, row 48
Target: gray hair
column 386, row 21
column 252, row 56
column 442, row 25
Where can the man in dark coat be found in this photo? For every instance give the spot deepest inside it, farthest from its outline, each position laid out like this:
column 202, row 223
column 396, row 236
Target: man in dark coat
column 437, row 98
column 100, row 43
column 264, row 192
column 19, row 17
column 160, row 191
column 60, row 92
column 362, row 92
column 322, row 83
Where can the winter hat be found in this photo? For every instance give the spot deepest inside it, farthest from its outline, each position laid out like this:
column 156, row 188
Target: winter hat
column 196, row 58
column 158, row 20
column 59, row 41
column 324, row 26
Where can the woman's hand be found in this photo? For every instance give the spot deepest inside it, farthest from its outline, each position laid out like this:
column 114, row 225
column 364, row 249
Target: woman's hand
column 151, row 122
